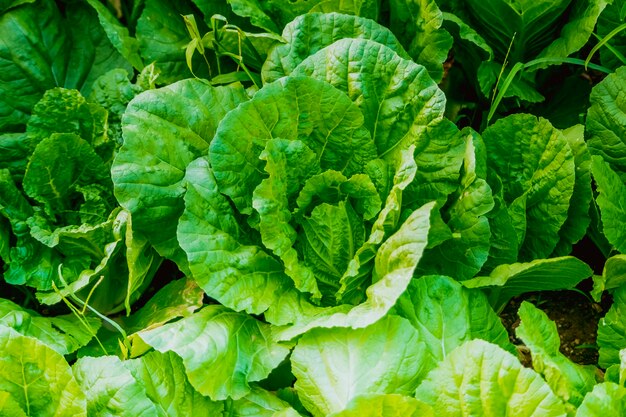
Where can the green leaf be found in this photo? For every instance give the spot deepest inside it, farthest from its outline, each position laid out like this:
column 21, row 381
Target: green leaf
column 568, row 380
column 394, row 265
column 59, row 164
column 159, row 142
column 481, row 379
column 259, row 403
column 240, row 276
column 611, row 200
column 606, row 121
column 610, row 18
column 111, row 389
column 333, row 366
column 179, row 298
column 162, row 37
column 507, row 281
column 388, row 405
column 357, row 275
column 9, row 406
column 43, row 50
column 578, row 218
column 164, row 379
column 289, row 164
column 118, row 35
column 333, row 129
column 612, row 330
column 222, row 351
column 606, row 399
column 38, row 378
column 446, row 315
column 534, row 160
column 418, row 25
column 253, row 10
column 311, row 32
column 581, row 21
column 377, row 79
column 64, row 334
column 613, row 276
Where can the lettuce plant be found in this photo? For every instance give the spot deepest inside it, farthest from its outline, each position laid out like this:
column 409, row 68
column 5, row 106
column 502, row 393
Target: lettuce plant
column 252, row 208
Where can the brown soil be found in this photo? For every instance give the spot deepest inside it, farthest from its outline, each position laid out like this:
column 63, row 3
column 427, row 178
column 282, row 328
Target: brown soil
column 576, row 318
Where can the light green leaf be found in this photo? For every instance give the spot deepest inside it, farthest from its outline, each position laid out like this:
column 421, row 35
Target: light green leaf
column 365, row 8
column 612, row 202
column 377, row 80
column 606, row 121
column 606, row 399
column 38, row 378
column 612, row 330
column 388, row 405
column 481, row 379
column 613, row 276
column 111, row 389
column 289, row 164
column 568, row 380
column 333, row 366
column 179, row 298
column 165, row 382
column 446, row 315
column 229, row 269
column 64, row 334
column 311, row 32
column 507, row 281
column 356, row 276
column 159, row 142
column 259, row 403
column 534, row 159
column 394, row 265
column 418, row 25
column 333, row 129
column 9, row 406
column 222, row 351
column 253, row 10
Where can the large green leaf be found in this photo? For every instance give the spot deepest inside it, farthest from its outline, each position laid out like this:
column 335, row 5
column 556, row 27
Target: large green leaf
column 38, row 378
column 481, row 379
column 312, row 111
column 606, row 399
column 536, row 163
column 612, row 16
column 397, row 97
column 418, row 25
column 153, row 385
column 159, row 142
column 611, row 200
column 388, row 405
column 568, row 380
column 333, row 366
column 507, row 281
column 446, row 315
column 613, row 276
column 41, row 50
column 222, row 350
column 64, row 334
column 259, row 403
column 240, row 276
column 60, row 164
column 111, row 389
column 606, row 121
column 309, row 33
